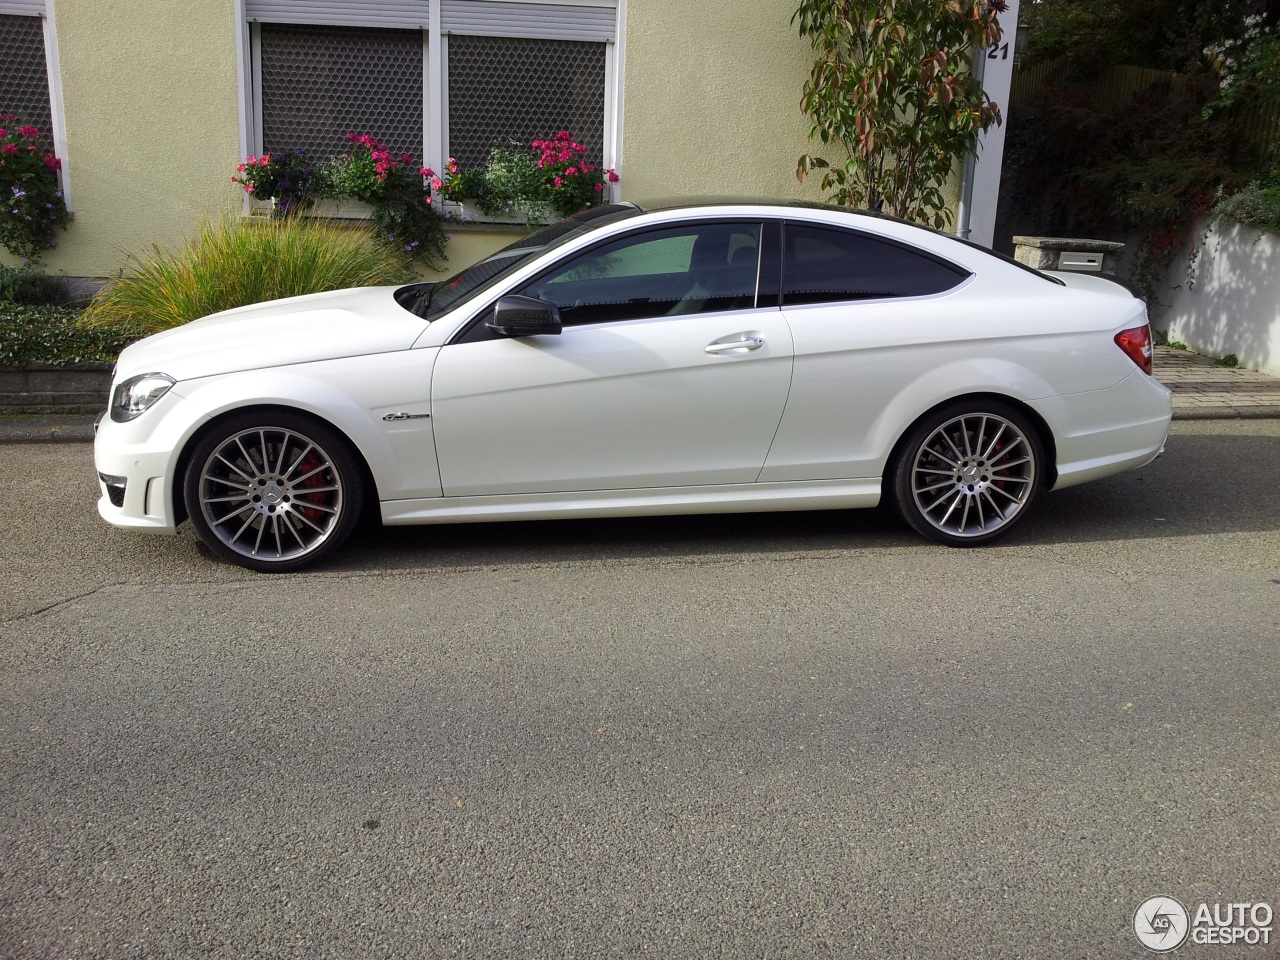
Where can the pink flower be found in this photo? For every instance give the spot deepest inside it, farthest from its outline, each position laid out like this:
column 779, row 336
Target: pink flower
column 53, row 163
column 28, row 131
column 612, row 175
column 453, row 165
column 559, row 182
column 3, row 133
column 428, row 201
column 571, row 171
column 264, row 159
column 240, row 169
column 10, row 148
column 599, row 187
column 436, row 183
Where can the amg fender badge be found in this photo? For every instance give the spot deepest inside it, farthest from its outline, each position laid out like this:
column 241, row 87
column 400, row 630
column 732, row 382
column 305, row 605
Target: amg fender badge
column 406, row 416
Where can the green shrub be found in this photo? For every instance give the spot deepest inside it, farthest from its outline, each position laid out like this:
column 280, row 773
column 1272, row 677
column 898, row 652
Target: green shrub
column 53, row 335
column 1256, row 205
column 28, row 286
column 234, row 262
column 1230, row 360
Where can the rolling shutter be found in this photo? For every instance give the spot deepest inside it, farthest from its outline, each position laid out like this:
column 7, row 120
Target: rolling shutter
column 544, row 21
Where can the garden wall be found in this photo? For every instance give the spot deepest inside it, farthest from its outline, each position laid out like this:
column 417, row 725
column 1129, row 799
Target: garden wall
column 1233, row 305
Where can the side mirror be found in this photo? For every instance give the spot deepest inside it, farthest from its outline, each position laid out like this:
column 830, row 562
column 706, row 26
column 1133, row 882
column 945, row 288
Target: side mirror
column 517, row 316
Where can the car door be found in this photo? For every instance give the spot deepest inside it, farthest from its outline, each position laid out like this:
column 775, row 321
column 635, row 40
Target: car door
column 666, row 373
column 866, row 314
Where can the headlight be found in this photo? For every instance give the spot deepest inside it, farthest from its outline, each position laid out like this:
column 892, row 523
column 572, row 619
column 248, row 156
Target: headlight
column 134, row 396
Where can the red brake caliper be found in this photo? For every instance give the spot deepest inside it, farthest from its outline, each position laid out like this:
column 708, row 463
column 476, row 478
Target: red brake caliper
column 312, row 462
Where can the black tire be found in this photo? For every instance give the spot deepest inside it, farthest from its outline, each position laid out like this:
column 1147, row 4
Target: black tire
column 967, row 473
column 273, row 490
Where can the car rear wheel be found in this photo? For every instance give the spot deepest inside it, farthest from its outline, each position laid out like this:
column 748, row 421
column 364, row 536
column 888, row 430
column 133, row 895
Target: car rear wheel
column 968, row 473
column 273, row 490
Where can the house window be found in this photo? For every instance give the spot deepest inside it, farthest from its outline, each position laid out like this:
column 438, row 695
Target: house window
column 517, row 88
column 24, row 80
column 430, row 78
column 320, row 83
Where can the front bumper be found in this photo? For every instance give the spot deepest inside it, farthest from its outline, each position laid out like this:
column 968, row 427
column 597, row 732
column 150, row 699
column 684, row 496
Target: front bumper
column 136, row 464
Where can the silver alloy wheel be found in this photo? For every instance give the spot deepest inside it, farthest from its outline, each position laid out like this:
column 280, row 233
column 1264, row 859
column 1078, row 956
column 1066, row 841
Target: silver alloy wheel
column 973, row 475
column 271, row 494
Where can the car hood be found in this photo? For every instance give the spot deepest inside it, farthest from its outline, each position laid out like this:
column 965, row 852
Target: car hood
column 319, row 326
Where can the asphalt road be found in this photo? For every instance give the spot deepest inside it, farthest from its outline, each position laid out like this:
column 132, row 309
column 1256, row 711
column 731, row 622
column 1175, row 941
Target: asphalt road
column 806, row 735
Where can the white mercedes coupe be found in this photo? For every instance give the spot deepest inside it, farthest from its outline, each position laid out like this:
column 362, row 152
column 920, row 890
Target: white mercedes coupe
column 627, row 361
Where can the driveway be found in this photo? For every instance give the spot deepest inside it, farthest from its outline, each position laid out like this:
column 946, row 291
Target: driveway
column 806, row 735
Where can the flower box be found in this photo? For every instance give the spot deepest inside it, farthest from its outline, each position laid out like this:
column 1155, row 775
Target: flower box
column 332, row 209
column 343, row 209
column 466, row 211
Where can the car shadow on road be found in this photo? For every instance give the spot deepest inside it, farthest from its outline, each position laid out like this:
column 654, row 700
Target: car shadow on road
column 1203, row 485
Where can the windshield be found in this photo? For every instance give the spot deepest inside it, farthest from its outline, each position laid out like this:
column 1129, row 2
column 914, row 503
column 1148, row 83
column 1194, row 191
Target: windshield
column 446, row 295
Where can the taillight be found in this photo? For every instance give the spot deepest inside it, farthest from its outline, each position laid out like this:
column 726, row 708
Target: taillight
column 1136, row 342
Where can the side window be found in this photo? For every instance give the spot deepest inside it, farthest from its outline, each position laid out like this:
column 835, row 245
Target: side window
column 829, row 265
column 701, row 268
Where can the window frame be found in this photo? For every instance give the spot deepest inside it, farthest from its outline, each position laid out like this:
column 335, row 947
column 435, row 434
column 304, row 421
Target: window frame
column 53, row 78
column 435, row 77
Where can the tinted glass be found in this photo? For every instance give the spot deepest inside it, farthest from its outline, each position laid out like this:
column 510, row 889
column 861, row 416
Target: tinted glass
column 700, row 268
column 479, row 276
column 825, row 265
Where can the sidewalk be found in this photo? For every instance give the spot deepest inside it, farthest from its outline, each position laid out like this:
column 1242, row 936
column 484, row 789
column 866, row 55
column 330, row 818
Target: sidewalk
column 1202, row 390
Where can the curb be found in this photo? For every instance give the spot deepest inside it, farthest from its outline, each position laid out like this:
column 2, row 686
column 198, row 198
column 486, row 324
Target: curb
column 1229, row 413
column 50, row 428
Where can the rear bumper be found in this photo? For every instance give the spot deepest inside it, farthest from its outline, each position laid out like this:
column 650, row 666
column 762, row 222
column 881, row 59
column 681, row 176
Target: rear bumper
column 1108, row 431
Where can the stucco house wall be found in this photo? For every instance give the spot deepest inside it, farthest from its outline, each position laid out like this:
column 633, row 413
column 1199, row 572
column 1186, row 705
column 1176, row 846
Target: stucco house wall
column 151, row 92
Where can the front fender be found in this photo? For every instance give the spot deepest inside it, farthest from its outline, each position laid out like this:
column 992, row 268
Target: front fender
column 353, row 395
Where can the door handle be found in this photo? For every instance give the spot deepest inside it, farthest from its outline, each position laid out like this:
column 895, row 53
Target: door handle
column 745, row 345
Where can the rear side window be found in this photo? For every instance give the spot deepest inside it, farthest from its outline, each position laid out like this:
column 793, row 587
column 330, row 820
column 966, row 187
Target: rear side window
column 829, row 265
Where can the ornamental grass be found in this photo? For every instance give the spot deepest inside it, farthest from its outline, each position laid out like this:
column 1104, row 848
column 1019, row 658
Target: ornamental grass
column 234, row 262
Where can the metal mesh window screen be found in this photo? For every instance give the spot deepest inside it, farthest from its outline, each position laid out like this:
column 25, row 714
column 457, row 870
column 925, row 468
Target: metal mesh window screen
column 24, row 81
column 504, row 88
column 321, row 83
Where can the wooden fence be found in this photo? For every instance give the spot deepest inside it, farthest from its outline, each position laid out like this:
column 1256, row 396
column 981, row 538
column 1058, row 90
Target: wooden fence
column 1260, row 122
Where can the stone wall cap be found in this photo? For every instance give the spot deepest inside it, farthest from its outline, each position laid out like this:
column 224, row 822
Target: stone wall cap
column 1070, row 243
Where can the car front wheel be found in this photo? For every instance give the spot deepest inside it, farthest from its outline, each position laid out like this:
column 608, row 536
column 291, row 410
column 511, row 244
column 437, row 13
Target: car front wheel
column 272, row 490
column 968, row 473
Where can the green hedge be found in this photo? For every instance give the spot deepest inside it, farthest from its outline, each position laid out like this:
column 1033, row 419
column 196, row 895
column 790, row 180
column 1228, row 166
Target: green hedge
column 53, row 335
